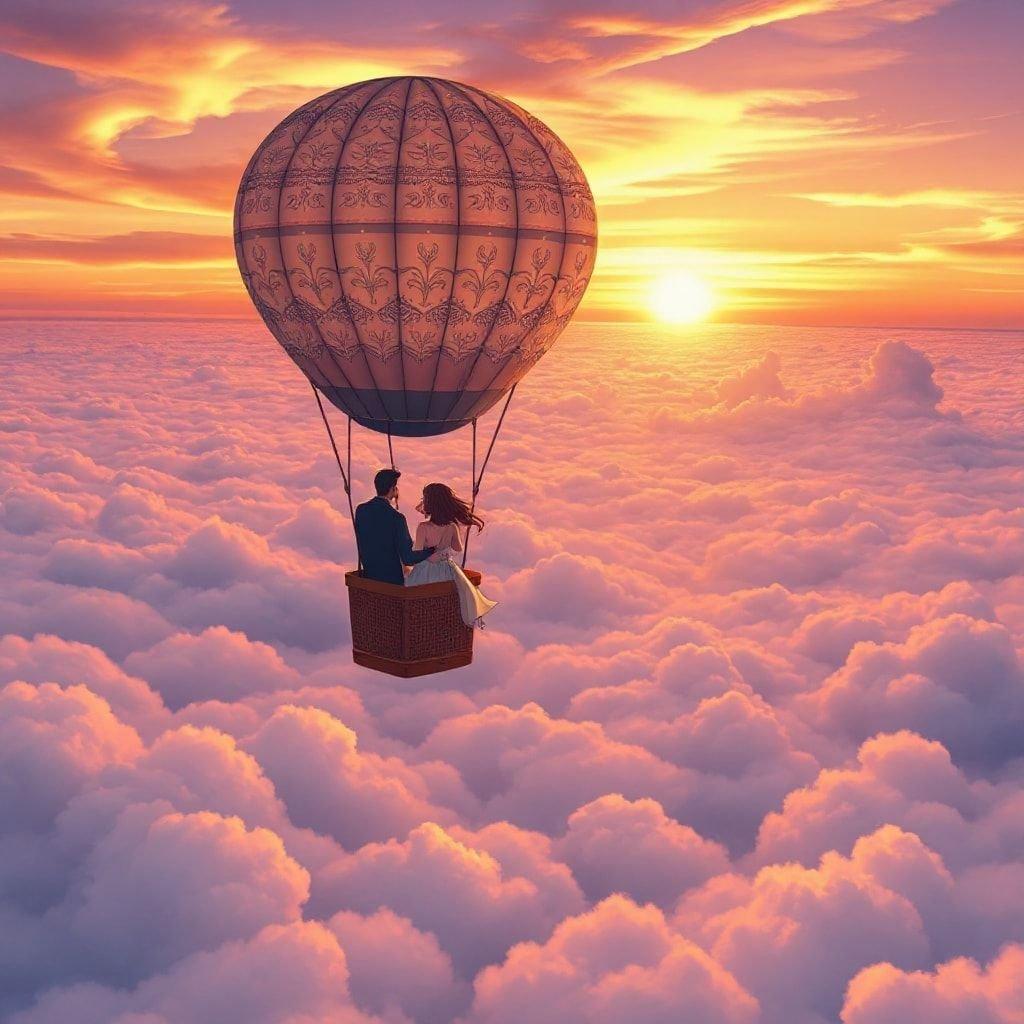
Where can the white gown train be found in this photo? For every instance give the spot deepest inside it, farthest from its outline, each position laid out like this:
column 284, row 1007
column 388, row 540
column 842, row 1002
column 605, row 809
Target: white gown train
column 473, row 605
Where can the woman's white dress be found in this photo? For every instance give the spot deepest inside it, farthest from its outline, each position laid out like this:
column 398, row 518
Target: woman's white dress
column 441, row 567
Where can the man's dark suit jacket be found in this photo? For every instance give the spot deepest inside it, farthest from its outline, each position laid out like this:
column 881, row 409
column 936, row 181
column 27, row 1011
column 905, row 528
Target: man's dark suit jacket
column 382, row 536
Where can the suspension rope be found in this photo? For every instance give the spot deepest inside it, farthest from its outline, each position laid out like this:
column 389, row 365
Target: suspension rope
column 346, row 478
column 391, row 454
column 478, row 478
column 472, row 506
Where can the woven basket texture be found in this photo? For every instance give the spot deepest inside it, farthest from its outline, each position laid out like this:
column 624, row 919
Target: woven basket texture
column 408, row 627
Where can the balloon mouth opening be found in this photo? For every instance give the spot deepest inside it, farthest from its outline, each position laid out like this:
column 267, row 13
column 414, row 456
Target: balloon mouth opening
column 405, row 428
column 411, row 413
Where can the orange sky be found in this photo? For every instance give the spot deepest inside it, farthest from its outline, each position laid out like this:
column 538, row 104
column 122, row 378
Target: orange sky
column 814, row 161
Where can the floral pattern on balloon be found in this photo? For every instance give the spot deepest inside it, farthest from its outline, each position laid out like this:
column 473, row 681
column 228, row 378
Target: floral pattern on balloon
column 414, row 243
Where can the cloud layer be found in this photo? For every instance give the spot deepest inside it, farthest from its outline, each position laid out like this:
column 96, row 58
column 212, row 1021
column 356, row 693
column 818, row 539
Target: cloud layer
column 741, row 744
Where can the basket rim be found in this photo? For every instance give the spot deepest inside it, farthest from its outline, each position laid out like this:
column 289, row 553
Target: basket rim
column 357, row 582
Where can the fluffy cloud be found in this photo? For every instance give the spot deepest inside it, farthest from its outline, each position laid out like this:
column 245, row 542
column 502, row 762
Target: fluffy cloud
column 447, row 887
column 956, row 679
column 135, row 515
column 164, row 885
column 203, row 768
column 115, row 623
column 51, row 659
column 897, row 383
column 393, row 965
column 215, row 665
column 900, row 778
column 54, row 741
column 574, row 591
column 319, row 528
column 285, row 973
column 324, row 780
column 793, row 935
column 617, row 963
column 534, row 770
column 957, row 992
column 632, row 847
column 758, row 381
column 25, row 509
column 218, row 554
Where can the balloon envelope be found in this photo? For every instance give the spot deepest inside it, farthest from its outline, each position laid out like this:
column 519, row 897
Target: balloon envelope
column 416, row 245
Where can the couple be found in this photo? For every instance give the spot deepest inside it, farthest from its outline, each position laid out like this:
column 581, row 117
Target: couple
column 382, row 536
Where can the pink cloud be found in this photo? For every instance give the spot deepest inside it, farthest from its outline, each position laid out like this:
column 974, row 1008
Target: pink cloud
column 218, row 554
column 115, row 623
column 760, row 380
column 617, row 963
column 793, row 935
column 534, row 770
column 133, row 514
column 25, row 509
column 446, row 887
column 957, row 992
column 829, row 636
column 553, row 674
column 956, row 679
column 898, row 383
column 54, row 741
column 164, row 885
column 319, row 528
column 633, row 847
column 576, row 591
column 325, row 780
column 91, row 564
column 525, row 854
column 204, row 768
column 215, row 665
column 51, row 659
column 396, row 968
column 900, row 778
column 295, row 970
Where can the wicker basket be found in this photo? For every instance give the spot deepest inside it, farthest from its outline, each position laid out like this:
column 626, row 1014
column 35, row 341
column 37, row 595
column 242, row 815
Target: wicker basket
column 408, row 631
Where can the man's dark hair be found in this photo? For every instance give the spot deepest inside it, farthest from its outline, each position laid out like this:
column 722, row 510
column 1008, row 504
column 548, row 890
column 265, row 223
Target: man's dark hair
column 385, row 480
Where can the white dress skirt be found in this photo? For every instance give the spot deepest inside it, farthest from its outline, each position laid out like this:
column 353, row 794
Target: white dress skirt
column 473, row 605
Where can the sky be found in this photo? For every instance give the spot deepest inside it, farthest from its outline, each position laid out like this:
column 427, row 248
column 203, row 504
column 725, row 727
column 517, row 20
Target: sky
column 810, row 162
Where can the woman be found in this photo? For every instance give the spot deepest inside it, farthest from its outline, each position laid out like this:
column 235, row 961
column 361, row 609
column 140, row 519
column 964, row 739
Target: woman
column 445, row 512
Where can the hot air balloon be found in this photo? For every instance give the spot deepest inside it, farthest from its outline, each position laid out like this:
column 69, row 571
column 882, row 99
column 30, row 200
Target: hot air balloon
column 415, row 245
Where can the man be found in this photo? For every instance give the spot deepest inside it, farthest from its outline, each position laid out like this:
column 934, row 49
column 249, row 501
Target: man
column 382, row 534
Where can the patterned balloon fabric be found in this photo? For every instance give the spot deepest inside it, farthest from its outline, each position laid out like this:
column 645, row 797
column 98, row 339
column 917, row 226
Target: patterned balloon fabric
column 416, row 245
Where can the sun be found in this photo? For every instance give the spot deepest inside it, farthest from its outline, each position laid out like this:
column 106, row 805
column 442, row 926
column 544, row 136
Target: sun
column 681, row 297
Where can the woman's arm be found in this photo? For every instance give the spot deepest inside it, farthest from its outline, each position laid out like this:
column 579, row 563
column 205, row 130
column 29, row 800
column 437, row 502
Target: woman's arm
column 418, row 546
column 403, row 543
column 456, row 542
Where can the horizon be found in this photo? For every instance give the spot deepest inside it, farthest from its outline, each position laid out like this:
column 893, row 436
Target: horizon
column 255, row 320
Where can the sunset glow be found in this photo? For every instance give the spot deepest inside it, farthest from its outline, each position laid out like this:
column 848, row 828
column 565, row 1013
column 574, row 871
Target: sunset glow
column 680, row 297
column 803, row 150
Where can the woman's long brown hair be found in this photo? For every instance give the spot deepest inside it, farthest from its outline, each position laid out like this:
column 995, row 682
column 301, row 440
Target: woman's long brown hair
column 441, row 505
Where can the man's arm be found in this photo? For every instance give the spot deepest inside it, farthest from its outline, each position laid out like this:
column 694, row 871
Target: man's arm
column 357, row 527
column 403, row 542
